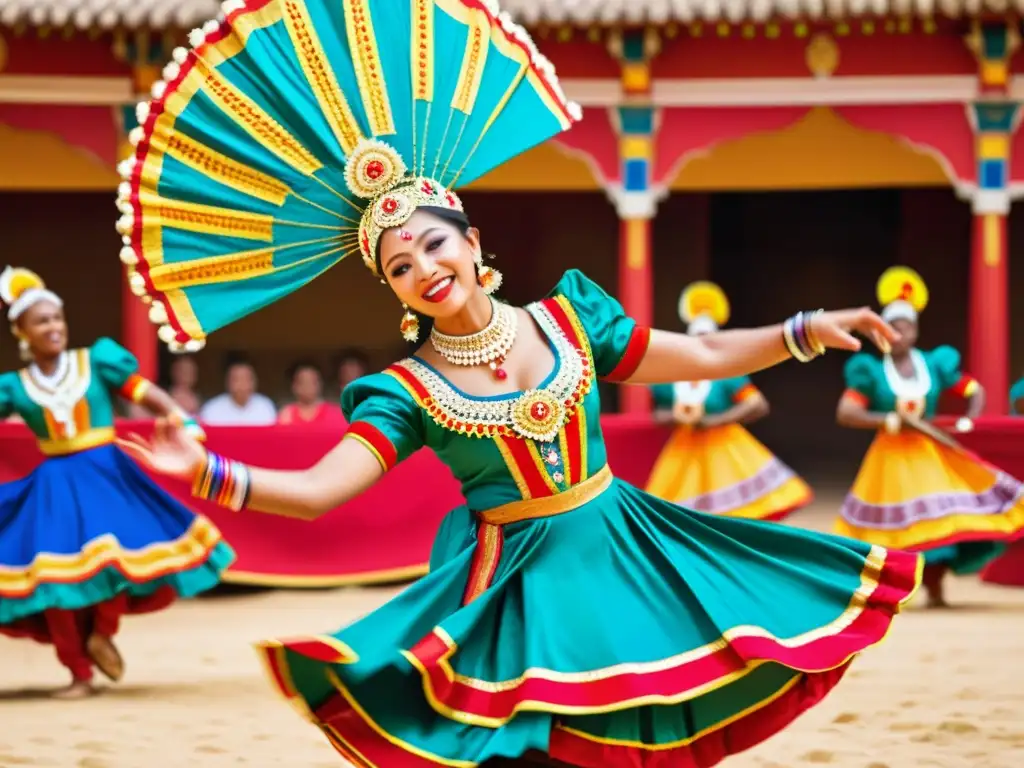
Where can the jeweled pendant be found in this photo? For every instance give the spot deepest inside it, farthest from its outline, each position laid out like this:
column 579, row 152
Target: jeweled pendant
column 496, row 368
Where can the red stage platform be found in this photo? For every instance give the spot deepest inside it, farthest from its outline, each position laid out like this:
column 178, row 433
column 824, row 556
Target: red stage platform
column 1001, row 441
column 384, row 535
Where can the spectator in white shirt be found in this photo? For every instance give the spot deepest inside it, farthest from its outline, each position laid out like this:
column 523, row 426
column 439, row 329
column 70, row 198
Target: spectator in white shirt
column 241, row 405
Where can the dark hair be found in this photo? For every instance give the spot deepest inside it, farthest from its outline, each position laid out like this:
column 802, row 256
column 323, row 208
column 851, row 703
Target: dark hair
column 235, row 359
column 301, row 365
column 354, row 355
column 461, row 222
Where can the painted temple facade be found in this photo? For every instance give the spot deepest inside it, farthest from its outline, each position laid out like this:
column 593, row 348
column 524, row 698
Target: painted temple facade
column 748, row 97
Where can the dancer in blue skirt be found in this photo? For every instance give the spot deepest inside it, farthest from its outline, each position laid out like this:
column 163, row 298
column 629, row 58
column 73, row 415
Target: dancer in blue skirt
column 87, row 537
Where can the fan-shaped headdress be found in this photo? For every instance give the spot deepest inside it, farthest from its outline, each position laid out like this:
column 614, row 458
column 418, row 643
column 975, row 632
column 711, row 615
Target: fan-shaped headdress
column 21, row 289
column 902, row 294
column 704, row 307
column 294, row 132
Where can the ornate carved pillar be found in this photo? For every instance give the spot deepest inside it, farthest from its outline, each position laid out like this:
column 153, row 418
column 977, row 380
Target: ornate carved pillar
column 635, row 199
column 994, row 118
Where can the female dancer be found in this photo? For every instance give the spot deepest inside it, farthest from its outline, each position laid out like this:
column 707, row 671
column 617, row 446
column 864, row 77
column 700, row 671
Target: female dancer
column 711, row 463
column 87, row 537
column 914, row 491
column 567, row 612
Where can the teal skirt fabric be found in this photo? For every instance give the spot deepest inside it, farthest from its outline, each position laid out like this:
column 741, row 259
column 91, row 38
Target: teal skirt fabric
column 627, row 632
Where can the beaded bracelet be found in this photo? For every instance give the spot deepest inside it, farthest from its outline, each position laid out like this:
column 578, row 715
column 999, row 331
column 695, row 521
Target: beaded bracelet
column 224, row 482
column 801, row 340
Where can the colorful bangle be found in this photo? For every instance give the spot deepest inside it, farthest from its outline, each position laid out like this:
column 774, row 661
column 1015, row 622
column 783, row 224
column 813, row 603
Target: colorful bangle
column 800, row 339
column 789, row 336
column 816, row 346
column 224, row 482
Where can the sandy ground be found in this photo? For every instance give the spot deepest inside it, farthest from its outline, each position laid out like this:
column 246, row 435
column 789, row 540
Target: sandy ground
column 945, row 690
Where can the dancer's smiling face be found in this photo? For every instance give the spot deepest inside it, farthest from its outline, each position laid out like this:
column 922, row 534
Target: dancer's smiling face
column 43, row 326
column 430, row 262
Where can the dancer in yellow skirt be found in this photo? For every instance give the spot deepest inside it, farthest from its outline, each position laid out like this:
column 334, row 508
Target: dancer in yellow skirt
column 913, row 491
column 711, row 463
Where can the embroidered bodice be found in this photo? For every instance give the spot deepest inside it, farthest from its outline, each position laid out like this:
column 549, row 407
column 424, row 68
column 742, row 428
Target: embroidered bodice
column 700, row 397
column 513, row 447
column 74, row 407
column 882, row 388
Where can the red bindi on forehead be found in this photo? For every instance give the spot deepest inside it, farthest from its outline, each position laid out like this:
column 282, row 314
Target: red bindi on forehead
column 405, row 235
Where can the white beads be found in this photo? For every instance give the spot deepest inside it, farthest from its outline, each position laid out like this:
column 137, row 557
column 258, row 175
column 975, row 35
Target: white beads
column 158, row 313
column 128, row 256
column 137, row 283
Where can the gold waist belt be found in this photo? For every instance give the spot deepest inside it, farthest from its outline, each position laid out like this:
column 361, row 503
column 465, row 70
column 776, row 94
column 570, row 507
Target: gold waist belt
column 549, row 506
column 83, row 441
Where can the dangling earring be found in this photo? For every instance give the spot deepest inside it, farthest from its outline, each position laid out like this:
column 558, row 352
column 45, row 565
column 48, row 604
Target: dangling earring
column 488, row 277
column 410, row 326
column 24, row 351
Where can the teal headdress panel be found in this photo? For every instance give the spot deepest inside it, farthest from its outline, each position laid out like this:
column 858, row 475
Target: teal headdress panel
column 295, row 131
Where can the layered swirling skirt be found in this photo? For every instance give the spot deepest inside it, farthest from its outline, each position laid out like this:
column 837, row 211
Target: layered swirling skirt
column 84, row 528
column 916, row 494
column 627, row 632
column 726, row 471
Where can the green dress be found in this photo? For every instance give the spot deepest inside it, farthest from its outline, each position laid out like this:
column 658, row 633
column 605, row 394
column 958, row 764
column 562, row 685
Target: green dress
column 567, row 612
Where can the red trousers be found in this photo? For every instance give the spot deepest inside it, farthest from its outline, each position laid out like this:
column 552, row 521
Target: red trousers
column 68, row 631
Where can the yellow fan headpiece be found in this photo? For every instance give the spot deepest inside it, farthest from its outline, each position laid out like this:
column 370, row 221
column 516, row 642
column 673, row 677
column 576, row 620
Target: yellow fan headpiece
column 703, row 304
column 902, row 293
column 21, row 288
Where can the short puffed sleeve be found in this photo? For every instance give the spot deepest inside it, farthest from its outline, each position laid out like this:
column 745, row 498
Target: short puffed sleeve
column 383, row 416
column 1017, row 395
column 741, row 388
column 8, row 382
column 617, row 342
column 118, row 369
column 945, row 364
column 664, row 396
column 861, row 375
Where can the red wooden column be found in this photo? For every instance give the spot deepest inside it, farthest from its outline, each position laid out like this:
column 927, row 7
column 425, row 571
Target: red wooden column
column 138, row 334
column 635, row 200
column 988, row 344
column 995, row 117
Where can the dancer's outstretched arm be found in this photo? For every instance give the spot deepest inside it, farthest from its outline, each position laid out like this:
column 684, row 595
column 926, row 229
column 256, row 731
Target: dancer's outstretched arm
column 674, row 357
column 346, row 471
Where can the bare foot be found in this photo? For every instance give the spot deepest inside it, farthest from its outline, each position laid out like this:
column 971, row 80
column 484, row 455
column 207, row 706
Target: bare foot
column 106, row 656
column 79, row 689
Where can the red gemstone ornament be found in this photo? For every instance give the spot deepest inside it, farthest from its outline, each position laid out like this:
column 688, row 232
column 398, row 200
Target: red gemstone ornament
column 375, row 169
column 539, row 411
column 406, row 236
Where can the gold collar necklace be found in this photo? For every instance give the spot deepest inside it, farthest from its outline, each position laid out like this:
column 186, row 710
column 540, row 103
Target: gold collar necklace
column 487, row 347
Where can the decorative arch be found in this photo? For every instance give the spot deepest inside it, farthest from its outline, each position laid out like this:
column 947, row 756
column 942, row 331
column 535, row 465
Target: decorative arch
column 44, row 161
column 550, row 167
column 826, row 148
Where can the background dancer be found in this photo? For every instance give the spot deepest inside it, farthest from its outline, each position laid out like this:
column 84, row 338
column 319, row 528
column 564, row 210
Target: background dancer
column 87, row 537
column 711, row 463
column 917, row 490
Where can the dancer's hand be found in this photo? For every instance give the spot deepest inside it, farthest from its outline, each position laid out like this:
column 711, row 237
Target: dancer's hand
column 172, row 451
column 835, row 329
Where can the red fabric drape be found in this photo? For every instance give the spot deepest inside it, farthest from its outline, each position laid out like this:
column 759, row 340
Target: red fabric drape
column 383, row 535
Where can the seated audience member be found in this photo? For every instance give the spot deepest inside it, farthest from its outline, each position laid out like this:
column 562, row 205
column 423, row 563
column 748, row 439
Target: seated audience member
column 241, row 405
column 184, row 375
column 349, row 365
column 309, row 407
